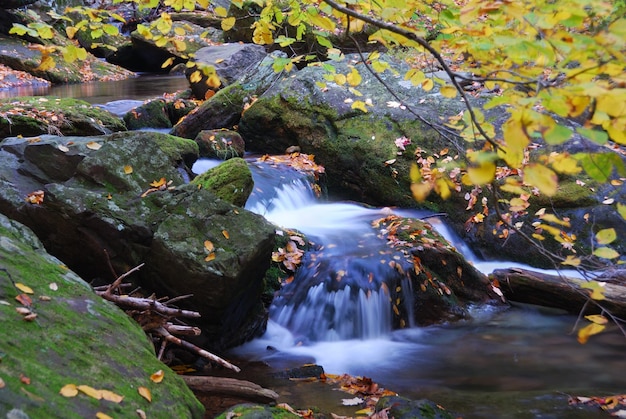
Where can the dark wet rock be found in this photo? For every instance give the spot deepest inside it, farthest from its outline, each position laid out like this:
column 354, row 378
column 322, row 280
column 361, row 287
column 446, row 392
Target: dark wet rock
column 224, row 109
column 220, row 144
column 125, row 201
column 158, row 113
column 230, row 61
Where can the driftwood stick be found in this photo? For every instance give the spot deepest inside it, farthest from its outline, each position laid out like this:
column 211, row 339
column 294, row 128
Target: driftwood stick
column 177, row 329
column 230, row 387
column 190, row 346
column 121, row 278
column 147, row 304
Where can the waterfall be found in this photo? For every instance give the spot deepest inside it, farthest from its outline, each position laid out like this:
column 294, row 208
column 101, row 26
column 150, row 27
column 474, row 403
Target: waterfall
column 347, row 283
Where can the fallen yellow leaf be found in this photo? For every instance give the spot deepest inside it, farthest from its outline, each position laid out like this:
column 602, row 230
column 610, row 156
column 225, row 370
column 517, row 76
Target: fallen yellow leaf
column 90, row 391
column 210, row 257
column 110, row 396
column 93, row 145
column 145, row 393
column 225, row 233
column 24, row 288
column 157, row 377
column 69, row 390
column 128, row 169
column 158, row 183
column 101, row 415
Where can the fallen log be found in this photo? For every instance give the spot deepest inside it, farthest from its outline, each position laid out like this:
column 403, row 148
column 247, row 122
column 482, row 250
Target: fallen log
column 531, row 287
column 240, row 389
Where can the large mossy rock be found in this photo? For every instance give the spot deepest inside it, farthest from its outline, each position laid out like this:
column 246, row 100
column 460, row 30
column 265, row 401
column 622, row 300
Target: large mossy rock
column 76, row 338
column 224, row 109
column 31, row 116
column 230, row 181
column 15, row 53
column 123, row 199
column 355, row 147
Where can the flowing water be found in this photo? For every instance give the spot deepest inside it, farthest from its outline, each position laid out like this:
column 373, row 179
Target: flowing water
column 519, row 362
column 516, row 363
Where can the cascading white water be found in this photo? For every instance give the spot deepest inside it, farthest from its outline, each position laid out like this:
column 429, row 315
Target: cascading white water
column 341, row 290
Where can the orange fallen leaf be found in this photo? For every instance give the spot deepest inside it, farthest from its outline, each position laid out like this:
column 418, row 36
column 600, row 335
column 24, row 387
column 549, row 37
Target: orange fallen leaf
column 128, row 169
column 24, row 300
column 93, row 145
column 158, row 183
column 209, row 257
column 35, row 197
column 30, row 317
column 24, row 288
column 69, row 390
column 110, row 396
column 208, row 245
column 90, row 391
column 2, row 384
column 145, row 393
column 157, row 377
column 24, row 379
column 225, row 233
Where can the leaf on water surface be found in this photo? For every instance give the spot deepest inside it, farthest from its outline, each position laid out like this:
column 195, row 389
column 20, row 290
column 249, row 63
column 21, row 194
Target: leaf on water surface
column 586, row 332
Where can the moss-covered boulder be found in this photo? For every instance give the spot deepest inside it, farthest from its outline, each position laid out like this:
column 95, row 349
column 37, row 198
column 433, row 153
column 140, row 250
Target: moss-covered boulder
column 220, row 144
column 230, row 61
column 224, row 109
column 19, row 55
column 230, row 181
column 158, row 113
column 31, row 116
column 359, row 150
column 124, row 199
column 65, row 334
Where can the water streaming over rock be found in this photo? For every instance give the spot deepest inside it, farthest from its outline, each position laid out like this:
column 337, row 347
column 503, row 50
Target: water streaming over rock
column 347, row 281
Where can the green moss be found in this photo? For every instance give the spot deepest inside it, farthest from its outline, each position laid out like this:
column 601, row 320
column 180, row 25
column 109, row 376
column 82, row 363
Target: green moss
column 230, row 181
column 76, row 338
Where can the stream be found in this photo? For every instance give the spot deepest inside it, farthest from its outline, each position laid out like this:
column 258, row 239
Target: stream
column 520, row 362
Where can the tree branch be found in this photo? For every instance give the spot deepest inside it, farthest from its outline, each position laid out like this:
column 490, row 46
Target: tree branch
column 426, row 45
